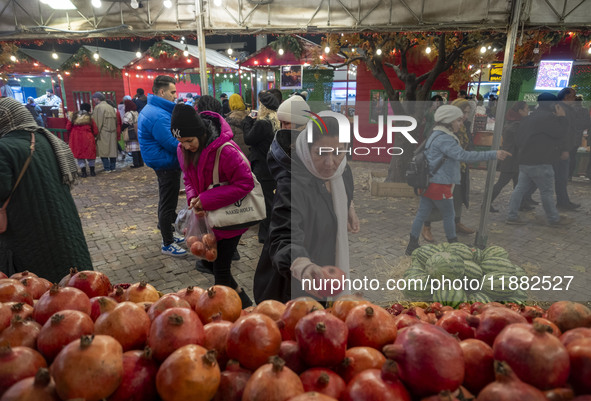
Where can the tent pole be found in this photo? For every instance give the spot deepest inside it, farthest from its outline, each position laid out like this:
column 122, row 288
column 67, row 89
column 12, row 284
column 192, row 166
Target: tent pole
column 482, row 234
column 202, row 56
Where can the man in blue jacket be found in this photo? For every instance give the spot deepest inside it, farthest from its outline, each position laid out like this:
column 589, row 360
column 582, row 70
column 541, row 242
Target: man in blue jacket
column 158, row 148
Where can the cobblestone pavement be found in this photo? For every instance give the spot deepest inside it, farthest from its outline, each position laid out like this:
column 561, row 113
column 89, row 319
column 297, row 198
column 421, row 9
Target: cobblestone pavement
column 119, row 216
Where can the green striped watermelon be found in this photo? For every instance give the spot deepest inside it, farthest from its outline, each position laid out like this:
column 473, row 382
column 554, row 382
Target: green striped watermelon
column 421, row 254
column 479, row 297
column 518, row 297
column 445, row 264
column 476, row 255
column 472, row 270
column 450, row 297
column 461, row 250
column 497, row 265
column 418, row 294
column 443, row 247
column 519, row 271
column 414, row 272
column 495, row 251
column 496, row 291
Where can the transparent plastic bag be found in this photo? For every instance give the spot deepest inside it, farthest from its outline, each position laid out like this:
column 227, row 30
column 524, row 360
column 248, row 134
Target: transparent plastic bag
column 200, row 238
column 182, row 221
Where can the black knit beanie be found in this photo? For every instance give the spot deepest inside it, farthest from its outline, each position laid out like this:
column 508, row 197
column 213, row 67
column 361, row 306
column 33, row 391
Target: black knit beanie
column 269, row 100
column 185, row 122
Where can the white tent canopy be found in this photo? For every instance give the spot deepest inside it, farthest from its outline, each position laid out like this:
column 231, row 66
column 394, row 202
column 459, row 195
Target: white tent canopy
column 118, row 58
column 46, row 57
column 213, row 58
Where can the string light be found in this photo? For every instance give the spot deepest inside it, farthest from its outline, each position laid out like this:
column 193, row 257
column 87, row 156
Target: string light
column 95, row 55
column 230, row 51
column 488, row 66
column 483, row 49
column 167, row 3
column 428, row 49
column 54, row 55
column 186, row 51
column 12, row 58
column 327, row 50
column 281, row 52
column 379, row 52
column 96, row 3
column 589, row 51
column 217, row 3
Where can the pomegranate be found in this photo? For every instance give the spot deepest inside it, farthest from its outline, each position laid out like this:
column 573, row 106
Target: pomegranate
column 92, row 283
column 404, row 320
column 343, row 305
column 219, row 299
column 479, row 364
column 294, row 311
column 582, row 398
column 232, row 382
column 166, row 302
column 21, row 333
column 491, row 321
column 358, row 359
column 64, row 281
column 530, row 313
column 21, row 309
column 118, row 294
column 141, row 292
column 18, row 363
column 90, row 368
column 370, row 326
column 430, row 359
column 273, row 382
column 555, row 330
column 395, row 309
column 574, row 334
column 323, row 381
column 579, row 352
column 36, row 286
column 322, row 339
column 127, row 323
column 173, row 329
column 3, row 275
column 59, row 299
column 559, row 394
column 139, row 377
column 289, row 351
column 270, row 307
column 508, row 387
column 215, row 338
column 461, row 394
column 454, row 322
column 23, row 274
column 99, row 305
column 189, row 373
column 569, row 315
column 61, row 329
column 12, row 290
column 38, row 388
column 191, row 294
column 312, row 396
column 534, row 354
column 6, row 315
column 373, row 384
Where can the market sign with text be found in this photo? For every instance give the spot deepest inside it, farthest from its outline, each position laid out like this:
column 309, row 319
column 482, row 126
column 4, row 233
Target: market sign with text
column 496, row 72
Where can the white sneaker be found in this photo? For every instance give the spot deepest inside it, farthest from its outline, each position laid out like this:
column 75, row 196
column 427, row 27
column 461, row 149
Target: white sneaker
column 178, row 239
column 173, row 250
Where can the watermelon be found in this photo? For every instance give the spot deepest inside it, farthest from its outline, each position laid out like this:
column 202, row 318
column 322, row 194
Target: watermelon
column 445, row 264
column 443, row 247
column 423, row 295
column 476, row 255
column 472, row 270
column 450, row 297
column 479, row 297
column 518, row 297
column 414, row 271
column 496, row 290
column 519, row 271
column 461, row 250
column 496, row 264
column 495, row 251
column 421, row 254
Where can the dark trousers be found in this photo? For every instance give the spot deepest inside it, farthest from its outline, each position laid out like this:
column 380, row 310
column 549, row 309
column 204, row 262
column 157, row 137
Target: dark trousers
column 222, row 266
column 169, row 184
column 268, row 187
column 504, row 179
column 138, row 161
column 561, row 181
column 109, row 164
column 573, row 161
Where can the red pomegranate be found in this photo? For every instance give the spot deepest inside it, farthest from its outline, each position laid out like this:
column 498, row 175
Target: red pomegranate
column 574, row 334
column 322, row 339
column 64, row 281
column 92, row 283
column 270, row 307
column 252, row 340
column 289, row 351
column 173, row 329
column 5, row 315
column 370, row 326
column 100, row 305
column 508, row 387
column 491, row 321
column 139, row 377
column 21, row 333
column 3, row 275
column 215, row 338
column 273, row 382
column 358, row 359
column 312, row 396
column 90, row 368
column 127, row 323
column 38, row 388
column 23, row 274
column 166, row 302
column 559, row 394
column 141, row 292
column 323, row 381
column 579, row 352
column 18, row 363
column 534, row 354
column 232, row 382
column 530, row 313
column 12, row 290
column 454, row 322
column 461, row 394
column 118, row 294
column 430, row 359
column 36, row 286
column 219, row 299
column 404, row 320
column 294, row 311
column 58, row 299
column 373, row 384
column 555, row 330
column 343, row 305
column 479, row 364
column 189, row 373
column 61, row 329
column 25, row 311
column 569, row 315
column 191, row 294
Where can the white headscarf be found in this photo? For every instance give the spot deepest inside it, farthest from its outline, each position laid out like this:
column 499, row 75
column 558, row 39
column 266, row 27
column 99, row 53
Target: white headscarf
column 339, row 199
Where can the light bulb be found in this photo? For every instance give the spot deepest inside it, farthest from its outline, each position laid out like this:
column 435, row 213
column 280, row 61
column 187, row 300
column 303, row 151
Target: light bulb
column 96, row 3
column 589, row 51
column 225, row 76
column 483, row 49
column 12, row 58
column 281, row 52
column 182, row 38
column 327, row 50
column 428, row 49
column 494, row 49
column 138, row 54
column 379, row 52
column 230, row 51
column 95, row 56
column 488, row 66
column 217, row 3
column 167, row 3
column 54, row 55
column 134, row 4
column 186, row 52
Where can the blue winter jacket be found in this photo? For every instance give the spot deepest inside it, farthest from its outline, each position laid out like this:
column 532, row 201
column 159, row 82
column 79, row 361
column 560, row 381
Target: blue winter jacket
column 157, row 144
column 441, row 144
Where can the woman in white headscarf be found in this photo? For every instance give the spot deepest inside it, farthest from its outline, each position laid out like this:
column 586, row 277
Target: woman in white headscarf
column 312, row 211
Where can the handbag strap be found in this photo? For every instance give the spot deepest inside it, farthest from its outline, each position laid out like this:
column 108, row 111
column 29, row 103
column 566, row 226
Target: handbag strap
column 216, row 165
column 20, row 176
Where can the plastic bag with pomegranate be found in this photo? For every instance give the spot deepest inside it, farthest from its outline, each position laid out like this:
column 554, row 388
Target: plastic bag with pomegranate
column 182, row 221
column 200, row 238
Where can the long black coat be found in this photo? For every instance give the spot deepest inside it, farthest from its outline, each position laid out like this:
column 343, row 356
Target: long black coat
column 258, row 135
column 303, row 223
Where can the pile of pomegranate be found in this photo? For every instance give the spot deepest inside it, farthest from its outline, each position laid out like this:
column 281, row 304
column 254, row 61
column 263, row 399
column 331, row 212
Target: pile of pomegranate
column 89, row 340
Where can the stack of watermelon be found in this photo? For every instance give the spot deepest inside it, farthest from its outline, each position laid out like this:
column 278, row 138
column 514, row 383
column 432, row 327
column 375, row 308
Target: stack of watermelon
column 456, row 261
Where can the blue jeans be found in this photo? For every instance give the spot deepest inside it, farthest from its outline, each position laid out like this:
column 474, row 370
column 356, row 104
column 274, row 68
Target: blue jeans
column 561, row 168
column 109, row 163
column 445, row 206
column 543, row 177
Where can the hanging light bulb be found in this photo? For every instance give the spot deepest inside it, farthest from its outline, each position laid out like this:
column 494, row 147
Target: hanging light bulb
column 225, row 76
column 134, row 4
column 379, row 52
column 230, row 51
column 186, row 52
column 428, row 49
column 488, row 66
column 54, row 55
column 12, row 58
column 96, row 3
column 327, row 50
column 281, row 52
column 95, row 55
column 138, row 54
column 483, row 49
column 589, row 51
column 217, row 3
column 167, row 3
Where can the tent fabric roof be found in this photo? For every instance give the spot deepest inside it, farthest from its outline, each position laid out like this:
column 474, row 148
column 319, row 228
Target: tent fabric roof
column 213, row 58
column 118, row 58
column 45, row 57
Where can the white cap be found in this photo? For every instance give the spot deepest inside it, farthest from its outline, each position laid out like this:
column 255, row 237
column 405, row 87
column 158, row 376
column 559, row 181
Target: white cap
column 446, row 114
column 294, row 110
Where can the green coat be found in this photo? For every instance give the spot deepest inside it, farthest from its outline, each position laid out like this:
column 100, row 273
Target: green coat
column 44, row 232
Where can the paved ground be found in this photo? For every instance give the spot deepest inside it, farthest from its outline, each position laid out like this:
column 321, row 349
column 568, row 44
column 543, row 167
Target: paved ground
column 118, row 212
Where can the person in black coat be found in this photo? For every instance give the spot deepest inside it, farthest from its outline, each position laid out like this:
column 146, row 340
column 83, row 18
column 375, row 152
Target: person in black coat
column 312, row 211
column 225, row 104
column 140, row 99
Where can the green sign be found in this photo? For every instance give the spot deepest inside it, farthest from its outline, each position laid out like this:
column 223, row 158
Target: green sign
column 496, row 72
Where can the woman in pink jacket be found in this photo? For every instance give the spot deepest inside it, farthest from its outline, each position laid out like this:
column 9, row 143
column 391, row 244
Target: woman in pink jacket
column 200, row 135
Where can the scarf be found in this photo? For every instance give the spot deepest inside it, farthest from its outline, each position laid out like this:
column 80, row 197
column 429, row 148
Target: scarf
column 339, row 199
column 269, row 115
column 15, row 117
column 447, row 131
